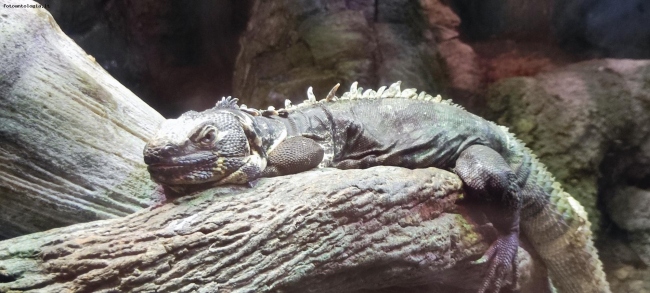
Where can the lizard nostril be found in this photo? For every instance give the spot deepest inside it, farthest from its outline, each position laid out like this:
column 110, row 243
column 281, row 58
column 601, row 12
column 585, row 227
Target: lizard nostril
column 169, row 150
column 154, row 155
column 151, row 155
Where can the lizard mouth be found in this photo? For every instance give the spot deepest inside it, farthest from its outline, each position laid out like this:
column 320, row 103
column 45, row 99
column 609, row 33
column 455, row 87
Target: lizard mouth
column 183, row 162
column 194, row 168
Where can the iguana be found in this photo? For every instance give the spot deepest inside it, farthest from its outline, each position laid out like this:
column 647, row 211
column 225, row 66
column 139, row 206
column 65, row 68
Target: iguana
column 361, row 129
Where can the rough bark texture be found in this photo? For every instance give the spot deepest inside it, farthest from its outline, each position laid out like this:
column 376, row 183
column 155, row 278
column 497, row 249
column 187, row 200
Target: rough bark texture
column 71, row 137
column 319, row 231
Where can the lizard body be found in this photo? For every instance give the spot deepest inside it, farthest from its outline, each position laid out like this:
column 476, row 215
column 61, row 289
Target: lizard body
column 232, row 144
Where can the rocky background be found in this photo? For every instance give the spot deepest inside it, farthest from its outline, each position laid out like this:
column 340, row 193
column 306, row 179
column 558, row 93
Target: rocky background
column 568, row 77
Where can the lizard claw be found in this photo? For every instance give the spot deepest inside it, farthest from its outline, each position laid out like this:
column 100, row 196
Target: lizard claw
column 502, row 259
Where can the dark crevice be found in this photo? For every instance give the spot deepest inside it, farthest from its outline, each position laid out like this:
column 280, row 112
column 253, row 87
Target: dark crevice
column 641, row 182
column 6, row 277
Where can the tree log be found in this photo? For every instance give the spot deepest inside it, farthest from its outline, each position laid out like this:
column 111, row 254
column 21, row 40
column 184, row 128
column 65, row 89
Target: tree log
column 71, row 136
column 319, row 231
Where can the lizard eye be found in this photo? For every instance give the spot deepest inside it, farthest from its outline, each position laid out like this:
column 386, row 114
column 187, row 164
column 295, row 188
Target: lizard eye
column 208, row 137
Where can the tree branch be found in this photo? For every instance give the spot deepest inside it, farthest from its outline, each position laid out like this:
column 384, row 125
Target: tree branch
column 318, row 231
column 72, row 136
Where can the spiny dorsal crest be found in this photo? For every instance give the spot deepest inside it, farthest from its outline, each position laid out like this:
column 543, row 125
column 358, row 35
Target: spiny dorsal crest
column 228, row 103
column 356, row 92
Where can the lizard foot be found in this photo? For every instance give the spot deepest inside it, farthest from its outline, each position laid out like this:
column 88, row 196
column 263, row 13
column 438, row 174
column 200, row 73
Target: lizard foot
column 502, row 257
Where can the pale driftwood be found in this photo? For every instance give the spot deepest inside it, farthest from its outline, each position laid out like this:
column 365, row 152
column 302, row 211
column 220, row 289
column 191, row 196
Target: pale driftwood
column 71, row 137
column 319, row 231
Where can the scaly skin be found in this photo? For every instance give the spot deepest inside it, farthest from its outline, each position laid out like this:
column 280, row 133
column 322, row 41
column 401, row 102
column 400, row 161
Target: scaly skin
column 232, row 144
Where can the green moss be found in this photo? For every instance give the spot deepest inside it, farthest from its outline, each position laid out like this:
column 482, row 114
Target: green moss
column 524, row 125
column 469, row 234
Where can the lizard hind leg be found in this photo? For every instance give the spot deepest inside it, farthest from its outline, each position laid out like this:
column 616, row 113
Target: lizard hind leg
column 490, row 180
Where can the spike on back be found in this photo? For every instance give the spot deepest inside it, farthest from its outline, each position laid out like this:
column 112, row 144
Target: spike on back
column 331, row 96
column 227, row 103
column 311, row 98
column 380, row 91
column 353, row 87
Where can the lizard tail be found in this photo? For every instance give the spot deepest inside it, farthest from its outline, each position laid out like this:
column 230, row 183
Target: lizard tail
column 558, row 227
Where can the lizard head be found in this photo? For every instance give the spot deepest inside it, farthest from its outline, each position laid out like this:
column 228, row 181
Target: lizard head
column 218, row 145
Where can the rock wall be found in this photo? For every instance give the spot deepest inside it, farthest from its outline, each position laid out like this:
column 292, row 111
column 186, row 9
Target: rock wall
column 589, row 123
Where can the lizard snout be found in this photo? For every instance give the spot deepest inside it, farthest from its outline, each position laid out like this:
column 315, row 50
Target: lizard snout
column 155, row 155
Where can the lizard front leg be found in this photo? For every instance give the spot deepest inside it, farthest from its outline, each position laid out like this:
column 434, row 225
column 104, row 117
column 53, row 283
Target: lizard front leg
column 294, row 155
column 489, row 178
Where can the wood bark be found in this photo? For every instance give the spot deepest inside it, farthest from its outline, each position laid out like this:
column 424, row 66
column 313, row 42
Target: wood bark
column 319, row 231
column 71, row 137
